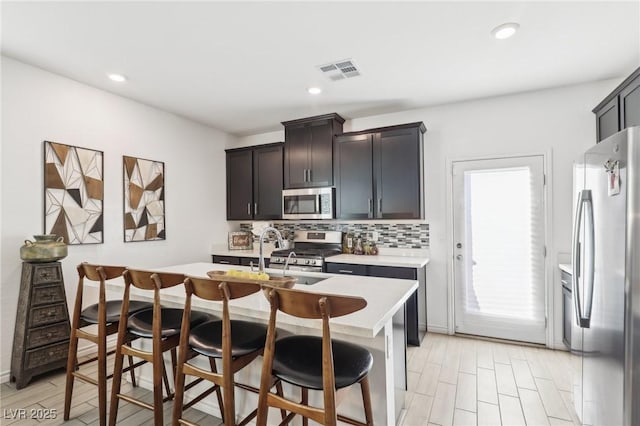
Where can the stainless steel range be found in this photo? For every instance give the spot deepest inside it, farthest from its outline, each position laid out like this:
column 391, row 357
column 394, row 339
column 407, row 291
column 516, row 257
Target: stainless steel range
column 309, row 252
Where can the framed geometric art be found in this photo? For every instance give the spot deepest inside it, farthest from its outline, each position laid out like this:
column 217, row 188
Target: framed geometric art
column 143, row 199
column 73, row 193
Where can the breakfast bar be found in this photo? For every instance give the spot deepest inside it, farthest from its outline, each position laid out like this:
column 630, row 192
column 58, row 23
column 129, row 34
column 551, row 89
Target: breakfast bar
column 379, row 327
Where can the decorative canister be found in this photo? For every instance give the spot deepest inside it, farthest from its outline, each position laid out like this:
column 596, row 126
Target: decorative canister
column 45, row 248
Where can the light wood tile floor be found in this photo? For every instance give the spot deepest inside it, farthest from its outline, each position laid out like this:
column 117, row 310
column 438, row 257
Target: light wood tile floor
column 462, row 381
column 452, row 381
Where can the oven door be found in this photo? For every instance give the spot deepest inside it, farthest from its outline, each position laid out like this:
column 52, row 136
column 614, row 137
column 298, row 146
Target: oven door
column 311, row 203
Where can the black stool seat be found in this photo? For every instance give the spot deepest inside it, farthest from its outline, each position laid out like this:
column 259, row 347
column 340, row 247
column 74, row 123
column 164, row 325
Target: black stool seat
column 246, row 337
column 298, row 360
column 114, row 307
column 141, row 322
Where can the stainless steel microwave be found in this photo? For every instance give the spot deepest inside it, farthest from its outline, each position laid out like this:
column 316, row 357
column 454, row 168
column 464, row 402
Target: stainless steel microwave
column 308, row 203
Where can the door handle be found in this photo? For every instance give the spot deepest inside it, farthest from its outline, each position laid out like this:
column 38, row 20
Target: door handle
column 584, row 197
column 590, row 258
column 459, row 257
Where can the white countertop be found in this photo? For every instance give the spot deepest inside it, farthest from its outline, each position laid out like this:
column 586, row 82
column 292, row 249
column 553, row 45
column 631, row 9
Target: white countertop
column 404, row 258
column 223, row 250
column 381, row 260
column 384, row 296
column 566, row 267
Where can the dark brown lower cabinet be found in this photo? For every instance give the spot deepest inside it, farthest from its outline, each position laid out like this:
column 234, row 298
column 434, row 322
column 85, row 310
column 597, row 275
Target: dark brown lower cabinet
column 567, row 308
column 239, row 260
column 415, row 307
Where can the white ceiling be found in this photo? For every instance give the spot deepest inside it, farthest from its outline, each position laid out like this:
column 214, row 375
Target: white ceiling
column 244, row 67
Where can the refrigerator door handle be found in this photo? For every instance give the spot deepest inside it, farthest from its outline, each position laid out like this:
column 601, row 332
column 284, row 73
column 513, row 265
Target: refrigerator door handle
column 590, row 258
column 575, row 276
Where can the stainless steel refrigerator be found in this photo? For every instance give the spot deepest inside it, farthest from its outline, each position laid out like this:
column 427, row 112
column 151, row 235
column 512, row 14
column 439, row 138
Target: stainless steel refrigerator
column 606, row 282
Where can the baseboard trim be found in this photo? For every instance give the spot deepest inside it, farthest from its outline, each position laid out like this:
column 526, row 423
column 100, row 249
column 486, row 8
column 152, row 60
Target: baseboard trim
column 437, row 329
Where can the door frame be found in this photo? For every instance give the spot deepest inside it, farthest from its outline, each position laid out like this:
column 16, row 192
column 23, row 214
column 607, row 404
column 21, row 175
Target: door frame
column 547, row 196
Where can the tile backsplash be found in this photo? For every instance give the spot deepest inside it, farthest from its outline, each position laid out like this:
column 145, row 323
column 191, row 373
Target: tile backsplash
column 401, row 235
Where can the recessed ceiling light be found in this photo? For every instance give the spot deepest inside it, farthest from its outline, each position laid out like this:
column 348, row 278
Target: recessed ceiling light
column 504, row 31
column 118, row 78
column 314, row 90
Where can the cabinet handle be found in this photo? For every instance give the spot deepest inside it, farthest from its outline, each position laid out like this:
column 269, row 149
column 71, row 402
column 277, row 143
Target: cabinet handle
column 380, row 205
column 255, row 208
column 224, row 262
column 345, row 271
column 308, row 175
column 249, row 209
column 370, row 201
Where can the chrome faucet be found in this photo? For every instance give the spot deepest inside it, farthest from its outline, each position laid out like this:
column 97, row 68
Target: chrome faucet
column 286, row 264
column 280, row 243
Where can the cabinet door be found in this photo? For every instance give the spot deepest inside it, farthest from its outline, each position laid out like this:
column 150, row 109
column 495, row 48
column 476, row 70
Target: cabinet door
column 396, row 172
column 267, row 182
column 630, row 104
column 239, row 185
column 353, row 168
column 607, row 120
column 296, row 156
column 226, row 260
column 320, row 155
column 346, row 268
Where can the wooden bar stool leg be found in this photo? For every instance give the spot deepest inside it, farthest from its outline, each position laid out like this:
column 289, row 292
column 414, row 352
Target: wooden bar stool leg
column 178, row 397
column 305, row 401
column 131, row 372
column 115, row 385
column 102, row 375
column 366, row 400
column 165, row 377
column 214, row 369
column 279, row 392
column 71, row 366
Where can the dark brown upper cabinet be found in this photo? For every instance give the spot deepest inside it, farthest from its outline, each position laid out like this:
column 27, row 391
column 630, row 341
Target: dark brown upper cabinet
column 308, row 150
column 620, row 109
column 379, row 173
column 254, row 182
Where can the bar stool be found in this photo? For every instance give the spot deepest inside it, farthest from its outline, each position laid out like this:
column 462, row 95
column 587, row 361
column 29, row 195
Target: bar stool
column 310, row 362
column 106, row 315
column 235, row 342
column 160, row 324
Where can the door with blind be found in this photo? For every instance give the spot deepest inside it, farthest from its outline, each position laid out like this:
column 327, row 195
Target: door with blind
column 498, row 237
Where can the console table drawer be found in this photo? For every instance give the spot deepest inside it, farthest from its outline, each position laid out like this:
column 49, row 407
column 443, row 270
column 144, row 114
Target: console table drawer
column 47, row 294
column 46, row 355
column 47, row 315
column 48, row 334
column 47, row 274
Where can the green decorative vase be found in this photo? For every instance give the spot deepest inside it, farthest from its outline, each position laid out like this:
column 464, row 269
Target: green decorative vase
column 45, row 248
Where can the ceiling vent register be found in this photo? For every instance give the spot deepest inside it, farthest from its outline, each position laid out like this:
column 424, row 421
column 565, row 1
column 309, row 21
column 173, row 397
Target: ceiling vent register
column 339, row 70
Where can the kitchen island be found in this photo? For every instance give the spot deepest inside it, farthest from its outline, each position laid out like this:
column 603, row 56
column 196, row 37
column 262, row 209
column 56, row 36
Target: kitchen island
column 379, row 327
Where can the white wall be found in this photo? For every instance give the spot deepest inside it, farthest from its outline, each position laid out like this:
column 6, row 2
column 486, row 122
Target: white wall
column 556, row 121
column 38, row 106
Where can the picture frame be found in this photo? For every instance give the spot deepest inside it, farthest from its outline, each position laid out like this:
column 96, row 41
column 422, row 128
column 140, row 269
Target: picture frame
column 143, row 199
column 73, row 193
column 240, row 240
